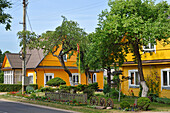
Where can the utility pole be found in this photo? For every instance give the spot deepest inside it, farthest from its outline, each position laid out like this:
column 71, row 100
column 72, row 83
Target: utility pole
column 24, row 47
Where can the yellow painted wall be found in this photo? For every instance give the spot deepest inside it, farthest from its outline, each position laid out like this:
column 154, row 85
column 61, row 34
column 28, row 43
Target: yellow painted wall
column 34, row 74
column 50, row 60
column 57, row 73
column 99, row 79
column 162, row 52
column 7, row 64
column 146, row 71
column 63, row 75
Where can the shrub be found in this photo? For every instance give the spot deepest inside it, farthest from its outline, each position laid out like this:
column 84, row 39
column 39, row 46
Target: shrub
column 143, row 103
column 81, row 87
column 153, row 82
column 124, row 105
column 10, row 87
column 114, row 93
column 163, row 100
column 152, row 97
column 35, row 86
column 93, row 86
column 89, row 92
column 47, row 89
column 106, row 89
column 29, row 89
column 65, row 89
column 33, row 95
column 74, row 100
column 1, row 77
column 56, row 82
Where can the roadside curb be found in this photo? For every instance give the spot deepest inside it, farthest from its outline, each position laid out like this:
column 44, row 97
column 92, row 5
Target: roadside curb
column 41, row 106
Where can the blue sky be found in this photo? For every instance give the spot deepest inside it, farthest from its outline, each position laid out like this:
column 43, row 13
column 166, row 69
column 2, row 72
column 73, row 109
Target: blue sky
column 46, row 15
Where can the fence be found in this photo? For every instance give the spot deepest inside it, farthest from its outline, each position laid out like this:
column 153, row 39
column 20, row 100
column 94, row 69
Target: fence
column 67, row 97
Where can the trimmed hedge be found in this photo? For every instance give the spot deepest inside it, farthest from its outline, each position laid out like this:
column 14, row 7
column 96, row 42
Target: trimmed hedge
column 13, row 87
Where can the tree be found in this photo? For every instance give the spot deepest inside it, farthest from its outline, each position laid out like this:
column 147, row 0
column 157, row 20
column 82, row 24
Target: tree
column 5, row 18
column 64, row 39
column 132, row 24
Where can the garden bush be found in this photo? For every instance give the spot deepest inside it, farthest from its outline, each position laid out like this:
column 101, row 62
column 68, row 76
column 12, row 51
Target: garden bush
column 163, row 100
column 10, row 87
column 35, row 86
column 65, row 89
column 93, row 86
column 124, row 105
column 56, row 82
column 89, row 92
column 106, row 89
column 114, row 93
column 29, row 89
column 143, row 103
column 81, row 87
column 33, row 95
column 47, row 89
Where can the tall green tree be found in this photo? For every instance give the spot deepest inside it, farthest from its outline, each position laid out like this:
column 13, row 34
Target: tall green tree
column 96, row 54
column 66, row 36
column 133, row 24
column 5, row 18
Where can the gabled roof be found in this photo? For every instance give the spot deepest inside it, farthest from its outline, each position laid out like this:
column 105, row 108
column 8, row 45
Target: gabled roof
column 33, row 57
column 15, row 61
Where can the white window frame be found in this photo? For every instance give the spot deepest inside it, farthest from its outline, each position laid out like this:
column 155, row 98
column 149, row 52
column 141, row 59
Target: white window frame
column 94, row 76
column 168, row 82
column 149, row 49
column 8, row 77
column 47, row 74
column 133, row 71
column 18, row 76
column 78, row 80
column 65, row 60
column 31, row 74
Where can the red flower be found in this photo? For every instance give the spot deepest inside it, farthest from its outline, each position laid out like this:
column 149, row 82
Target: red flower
column 131, row 90
column 134, row 104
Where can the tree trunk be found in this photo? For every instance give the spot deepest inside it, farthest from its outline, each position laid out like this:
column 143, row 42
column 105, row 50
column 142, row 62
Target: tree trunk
column 140, row 71
column 87, row 75
column 109, row 76
column 66, row 69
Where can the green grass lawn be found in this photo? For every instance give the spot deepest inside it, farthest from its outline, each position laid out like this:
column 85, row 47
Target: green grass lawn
column 89, row 109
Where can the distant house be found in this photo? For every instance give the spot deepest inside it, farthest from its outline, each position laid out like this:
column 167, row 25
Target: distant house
column 12, row 66
column 41, row 68
column 155, row 58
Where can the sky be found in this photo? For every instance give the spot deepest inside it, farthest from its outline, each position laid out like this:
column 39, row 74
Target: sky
column 44, row 15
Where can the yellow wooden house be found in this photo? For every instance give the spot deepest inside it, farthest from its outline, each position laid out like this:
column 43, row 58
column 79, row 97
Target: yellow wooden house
column 40, row 68
column 155, row 58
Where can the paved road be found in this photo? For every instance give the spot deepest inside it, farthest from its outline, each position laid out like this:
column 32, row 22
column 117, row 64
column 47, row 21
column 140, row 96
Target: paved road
column 17, row 107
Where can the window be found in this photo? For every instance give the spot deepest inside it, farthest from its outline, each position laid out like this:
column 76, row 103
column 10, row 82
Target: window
column 134, row 78
column 47, row 77
column 165, row 78
column 149, row 48
column 18, row 76
column 8, row 77
column 75, row 78
column 94, row 77
column 65, row 58
column 30, row 76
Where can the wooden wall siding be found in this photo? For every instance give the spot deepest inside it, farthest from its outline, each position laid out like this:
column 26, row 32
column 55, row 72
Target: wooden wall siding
column 146, row 70
column 50, row 60
column 162, row 52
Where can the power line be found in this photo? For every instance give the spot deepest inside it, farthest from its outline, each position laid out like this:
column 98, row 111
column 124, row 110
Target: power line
column 29, row 21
